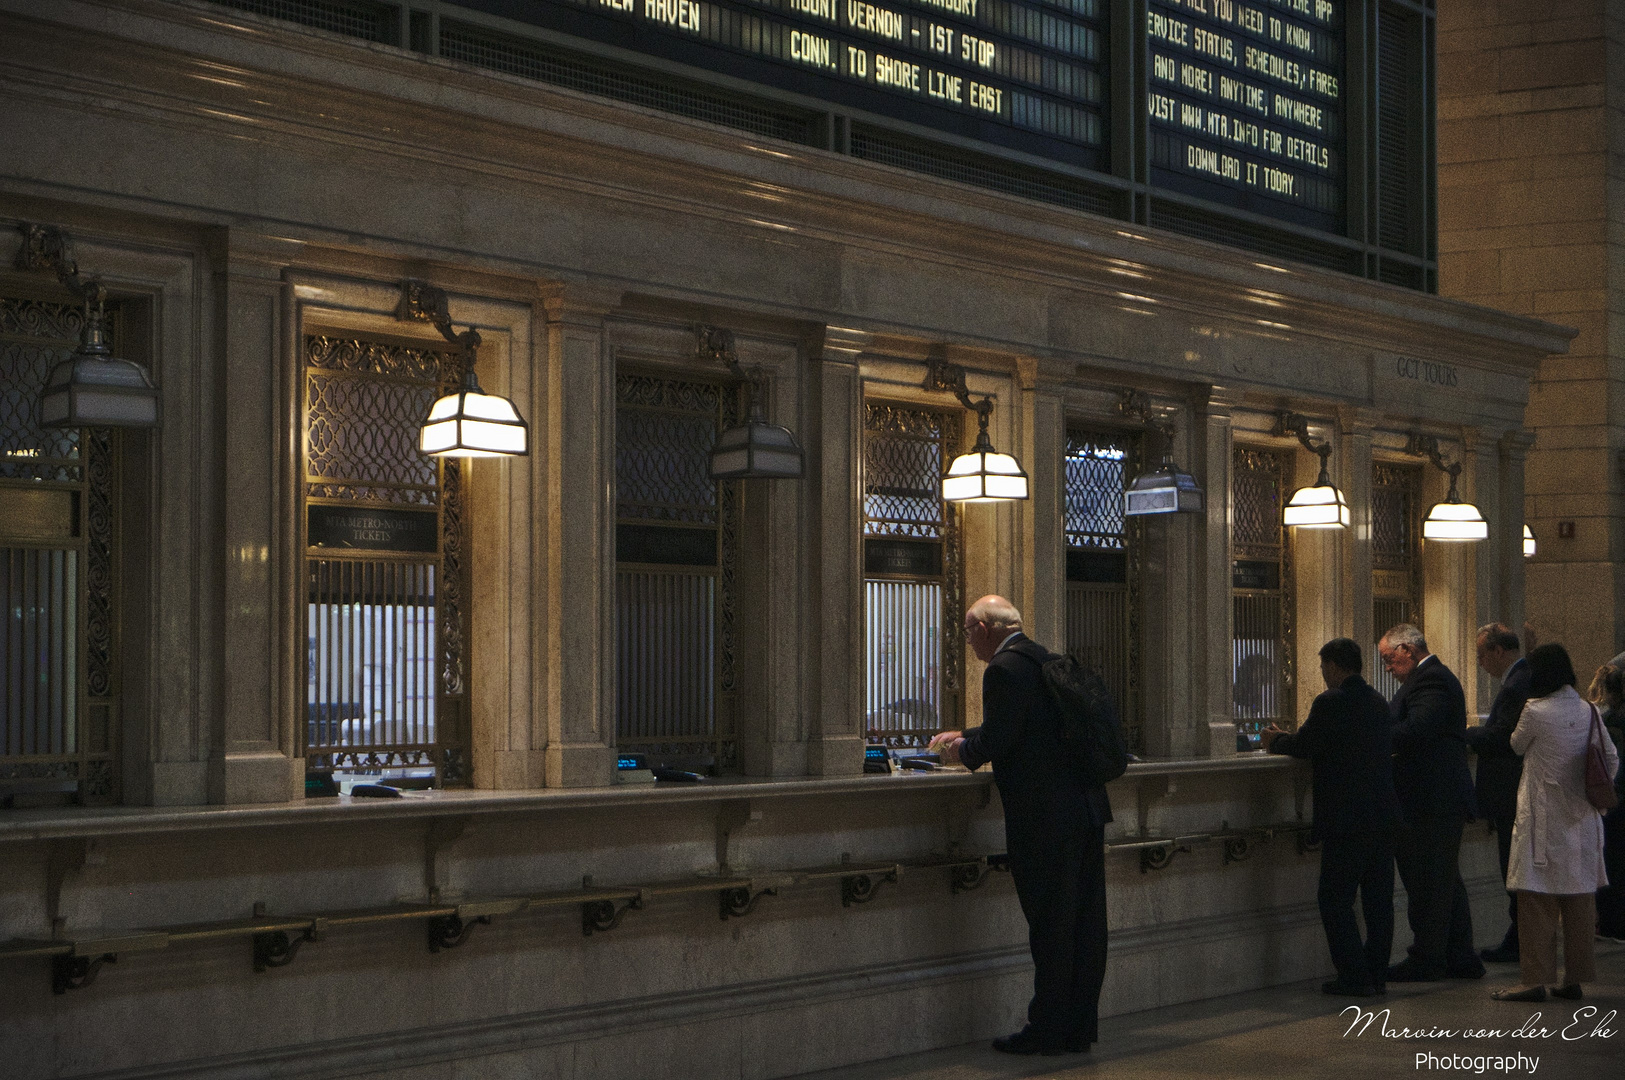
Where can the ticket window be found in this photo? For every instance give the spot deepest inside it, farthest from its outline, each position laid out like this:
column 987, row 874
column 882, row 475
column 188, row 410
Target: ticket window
column 1261, row 591
column 913, row 591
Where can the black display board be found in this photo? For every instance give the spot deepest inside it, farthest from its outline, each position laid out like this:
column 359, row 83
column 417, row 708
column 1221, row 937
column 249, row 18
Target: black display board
column 1245, row 104
column 1242, row 101
column 1026, row 74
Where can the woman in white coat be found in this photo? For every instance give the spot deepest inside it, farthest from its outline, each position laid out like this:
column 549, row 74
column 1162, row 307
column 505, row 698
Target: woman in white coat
column 1556, row 865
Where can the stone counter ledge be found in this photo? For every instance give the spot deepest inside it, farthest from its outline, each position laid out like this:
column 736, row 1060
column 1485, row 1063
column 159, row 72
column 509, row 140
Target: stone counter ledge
column 68, row 823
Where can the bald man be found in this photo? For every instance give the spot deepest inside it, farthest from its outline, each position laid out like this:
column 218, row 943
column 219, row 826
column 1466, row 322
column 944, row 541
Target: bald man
column 1054, row 827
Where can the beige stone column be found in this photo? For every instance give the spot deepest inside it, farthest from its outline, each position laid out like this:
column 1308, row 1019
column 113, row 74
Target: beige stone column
column 1514, row 446
column 835, row 471
column 1481, row 457
column 576, row 484
column 1353, row 475
column 1041, row 526
column 1172, row 577
column 251, row 744
column 1211, row 615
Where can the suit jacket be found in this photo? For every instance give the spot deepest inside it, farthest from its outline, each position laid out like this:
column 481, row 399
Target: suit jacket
column 1346, row 739
column 1430, row 745
column 1499, row 766
column 1040, row 783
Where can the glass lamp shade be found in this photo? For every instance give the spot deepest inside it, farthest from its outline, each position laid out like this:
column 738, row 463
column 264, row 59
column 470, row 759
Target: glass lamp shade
column 1318, row 507
column 472, row 423
column 756, row 449
column 1164, row 491
column 94, row 388
column 984, row 476
column 1528, row 543
column 1455, row 520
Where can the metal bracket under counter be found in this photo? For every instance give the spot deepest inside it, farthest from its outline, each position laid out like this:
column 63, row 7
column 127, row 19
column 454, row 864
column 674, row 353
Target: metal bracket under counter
column 1157, row 852
column 277, row 940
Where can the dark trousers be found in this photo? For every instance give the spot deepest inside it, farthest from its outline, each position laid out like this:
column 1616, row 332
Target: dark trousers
column 1441, row 921
column 1611, row 900
column 1061, row 883
column 1503, row 847
column 1363, row 862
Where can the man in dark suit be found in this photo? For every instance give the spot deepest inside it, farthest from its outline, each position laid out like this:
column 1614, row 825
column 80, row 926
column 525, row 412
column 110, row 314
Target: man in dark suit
column 1346, row 739
column 1435, row 790
column 1499, row 766
column 1054, row 827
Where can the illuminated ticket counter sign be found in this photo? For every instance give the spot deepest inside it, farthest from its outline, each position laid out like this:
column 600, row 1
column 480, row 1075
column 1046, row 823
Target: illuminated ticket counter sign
column 1245, row 104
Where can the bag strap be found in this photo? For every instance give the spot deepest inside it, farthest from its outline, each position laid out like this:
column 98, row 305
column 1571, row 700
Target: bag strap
column 1596, row 727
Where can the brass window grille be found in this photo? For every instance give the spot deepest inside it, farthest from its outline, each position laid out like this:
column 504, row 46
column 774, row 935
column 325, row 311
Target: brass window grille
column 386, row 568
column 59, row 512
column 1102, row 566
column 913, row 589
column 1396, row 569
column 1261, row 591
column 676, row 550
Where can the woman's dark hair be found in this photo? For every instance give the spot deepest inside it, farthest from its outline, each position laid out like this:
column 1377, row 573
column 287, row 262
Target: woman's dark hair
column 1549, row 670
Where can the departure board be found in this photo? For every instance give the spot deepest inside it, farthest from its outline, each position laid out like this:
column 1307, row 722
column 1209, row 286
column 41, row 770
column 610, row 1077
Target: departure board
column 1024, row 74
column 1245, row 104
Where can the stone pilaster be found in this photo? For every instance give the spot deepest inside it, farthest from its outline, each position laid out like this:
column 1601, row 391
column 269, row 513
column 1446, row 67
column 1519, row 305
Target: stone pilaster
column 1353, row 475
column 576, row 481
column 835, row 741
column 1211, row 616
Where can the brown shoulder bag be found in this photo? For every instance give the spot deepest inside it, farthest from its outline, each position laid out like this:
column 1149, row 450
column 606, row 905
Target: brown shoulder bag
column 1599, row 787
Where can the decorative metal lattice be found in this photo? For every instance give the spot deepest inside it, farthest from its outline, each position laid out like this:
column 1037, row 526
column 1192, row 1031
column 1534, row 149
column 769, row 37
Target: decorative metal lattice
column 58, row 619
column 364, row 404
column 664, row 432
column 904, row 457
column 1257, row 480
column 388, row 668
column 34, row 336
column 1096, row 473
column 1263, row 672
column 1394, row 496
column 905, row 451
column 676, row 660
column 1103, row 619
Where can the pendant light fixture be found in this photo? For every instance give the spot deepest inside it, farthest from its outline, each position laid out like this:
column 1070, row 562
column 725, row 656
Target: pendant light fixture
column 1166, row 489
column 1451, row 520
column 467, row 422
column 1321, row 505
column 983, row 474
column 1528, row 543
column 92, row 387
column 755, row 449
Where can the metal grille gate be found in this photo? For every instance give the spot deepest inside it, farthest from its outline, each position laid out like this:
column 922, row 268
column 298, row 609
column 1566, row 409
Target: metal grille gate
column 1396, row 585
column 59, row 714
column 1102, row 567
column 1261, row 598
column 385, row 567
column 913, row 596
column 676, row 544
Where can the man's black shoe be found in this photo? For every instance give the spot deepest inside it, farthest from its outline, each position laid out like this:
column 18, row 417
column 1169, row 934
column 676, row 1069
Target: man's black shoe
column 1501, row 954
column 1410, row 971
column 1464, row 972
column 1340, row 988
column 1077, row 1044
column 1028, row 1042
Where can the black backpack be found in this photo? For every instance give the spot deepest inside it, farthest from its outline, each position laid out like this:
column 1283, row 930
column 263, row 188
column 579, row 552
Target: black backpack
column 1089, row 724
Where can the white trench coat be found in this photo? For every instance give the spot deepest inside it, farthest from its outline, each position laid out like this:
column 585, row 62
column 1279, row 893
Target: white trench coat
column 1557, row 834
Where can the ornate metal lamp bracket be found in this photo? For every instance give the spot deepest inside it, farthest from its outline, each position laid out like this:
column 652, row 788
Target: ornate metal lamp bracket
column 942, row 375
column 1136, row 405
column 716, row 345
column 48, row 248
column 422, row 302
column 1296, row 425
column 1427, row 446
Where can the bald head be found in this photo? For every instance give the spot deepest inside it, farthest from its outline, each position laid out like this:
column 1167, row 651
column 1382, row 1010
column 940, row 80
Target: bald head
column 988, row 622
